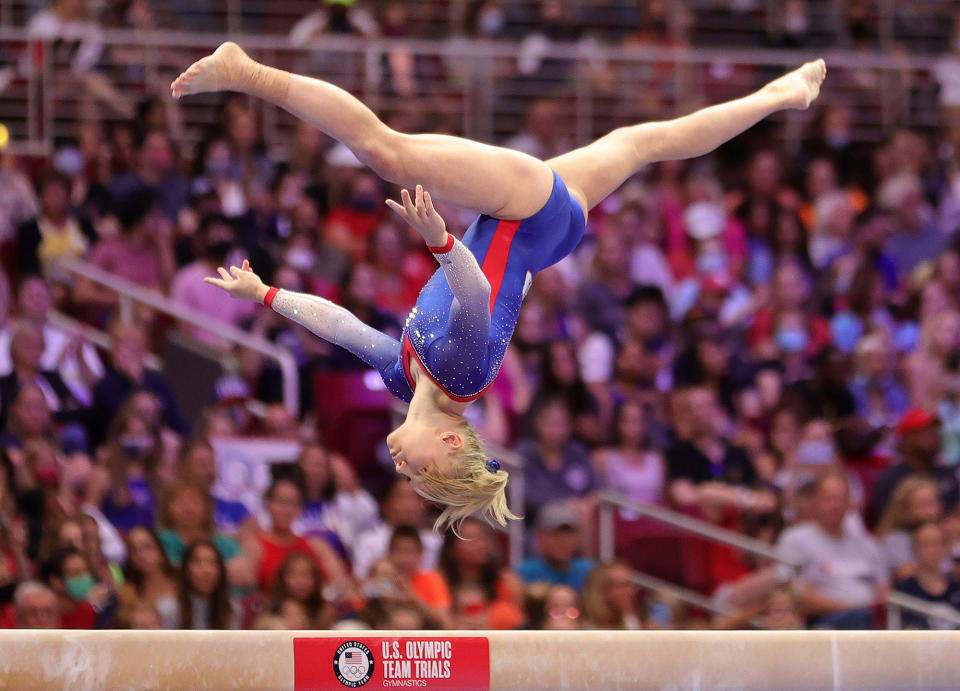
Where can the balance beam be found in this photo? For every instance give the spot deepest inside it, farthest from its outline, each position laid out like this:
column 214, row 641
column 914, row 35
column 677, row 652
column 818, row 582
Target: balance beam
column 514, row 660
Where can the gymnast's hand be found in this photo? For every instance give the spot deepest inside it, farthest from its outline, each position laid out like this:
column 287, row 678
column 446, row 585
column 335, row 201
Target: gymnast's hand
column 421, row 216
column 240, row 282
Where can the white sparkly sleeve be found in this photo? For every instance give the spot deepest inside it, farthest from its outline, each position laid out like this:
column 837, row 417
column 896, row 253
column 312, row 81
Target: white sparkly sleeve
column 465, row 278
column 339, row 326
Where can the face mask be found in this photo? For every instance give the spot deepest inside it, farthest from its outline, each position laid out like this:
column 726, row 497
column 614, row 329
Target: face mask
column 491, row 23
column 136, row 447
column 711, row 262
column 364, row 204
column 792, row 340
column 218, row 251
column 78, row 587
column 300, row 258
column 838, row 141
column 815, row 453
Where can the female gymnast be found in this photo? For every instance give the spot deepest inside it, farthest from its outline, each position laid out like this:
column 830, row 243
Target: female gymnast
column 532, row 214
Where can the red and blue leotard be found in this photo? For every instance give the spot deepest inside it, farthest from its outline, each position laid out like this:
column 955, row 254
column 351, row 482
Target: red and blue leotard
column 461, row 325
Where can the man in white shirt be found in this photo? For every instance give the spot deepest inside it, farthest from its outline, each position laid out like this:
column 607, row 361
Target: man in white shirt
column 401, row 506
column 842, row 573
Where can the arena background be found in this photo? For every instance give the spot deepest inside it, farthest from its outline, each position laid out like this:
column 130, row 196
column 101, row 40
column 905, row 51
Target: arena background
column 735, row 406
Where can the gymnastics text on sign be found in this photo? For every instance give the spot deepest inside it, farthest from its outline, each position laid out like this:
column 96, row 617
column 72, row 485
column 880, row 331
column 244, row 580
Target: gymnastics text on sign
column 456, row 664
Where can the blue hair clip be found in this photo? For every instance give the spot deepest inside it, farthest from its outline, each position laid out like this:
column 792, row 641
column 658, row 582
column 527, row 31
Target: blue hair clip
column 493, row 465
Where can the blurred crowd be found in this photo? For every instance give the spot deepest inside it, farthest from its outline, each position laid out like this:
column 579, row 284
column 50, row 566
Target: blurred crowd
column 763, row 339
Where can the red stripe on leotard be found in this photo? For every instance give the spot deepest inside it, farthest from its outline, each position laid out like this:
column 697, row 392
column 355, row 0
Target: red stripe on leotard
column 494, row 267
column 495, row 263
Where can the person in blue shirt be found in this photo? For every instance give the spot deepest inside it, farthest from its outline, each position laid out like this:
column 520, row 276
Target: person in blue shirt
column 558, row 539
column 532, row 214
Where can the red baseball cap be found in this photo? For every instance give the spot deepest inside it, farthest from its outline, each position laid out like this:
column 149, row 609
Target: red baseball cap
column 915, row 420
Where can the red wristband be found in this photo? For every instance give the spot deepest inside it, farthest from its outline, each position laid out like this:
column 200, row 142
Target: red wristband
column 447, row 246
column 268, row 298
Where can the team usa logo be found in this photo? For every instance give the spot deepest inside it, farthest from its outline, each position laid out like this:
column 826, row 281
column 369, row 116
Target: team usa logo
column 353, row 664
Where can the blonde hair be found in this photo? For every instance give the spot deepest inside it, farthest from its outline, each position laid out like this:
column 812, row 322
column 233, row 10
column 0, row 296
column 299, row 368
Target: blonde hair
column 895, row 516
column 474, row 490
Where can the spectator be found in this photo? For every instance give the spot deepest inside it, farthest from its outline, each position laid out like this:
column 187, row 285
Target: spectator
column 610, row 599
column 335, row 17
column 782, row 611
column 78, row 38
column 186, row 517
column 82, row 604
column 557, row 467
column 401, row 505
column 215, row 237
column 632, row 467
column 553, row 608
column 156, row 171
column 930, row 581
column 557, row 545
column 880, row 397
column 916, row 237
column 65, row 352
column 126, row 374
column 141, row 253
column 36, row 606
column 56, row 232
column 842, row 570
column 543, row 135
column 198, row 464
column 705, row 469
column 131, row 455
column 202, row 591
column 299, row 581
column 26, row 354
column 913, row 503
column 18, row 203
column 338, row 508
column 269, row 548
column 919, row 432
column 404, row 555
column 151, row 578
column 473, row 562
column 929, row 375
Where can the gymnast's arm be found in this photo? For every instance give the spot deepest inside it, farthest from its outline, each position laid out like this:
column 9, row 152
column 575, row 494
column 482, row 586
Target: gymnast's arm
column 327, row 320
column 466, row 280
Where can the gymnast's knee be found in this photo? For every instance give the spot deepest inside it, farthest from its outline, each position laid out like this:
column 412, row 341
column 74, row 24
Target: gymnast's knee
column 383, row 152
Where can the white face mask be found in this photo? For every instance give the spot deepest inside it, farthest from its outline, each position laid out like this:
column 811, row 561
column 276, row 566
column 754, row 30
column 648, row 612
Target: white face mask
column 300, row 258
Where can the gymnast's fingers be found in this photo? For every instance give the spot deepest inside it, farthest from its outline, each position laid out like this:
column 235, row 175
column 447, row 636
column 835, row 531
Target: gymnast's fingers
column 246, row 265
column 420, row 208
column 398, row 209
column 234, row 271
column 428, row 203
column 223, row 273
column 215, row 282
column 408, row 203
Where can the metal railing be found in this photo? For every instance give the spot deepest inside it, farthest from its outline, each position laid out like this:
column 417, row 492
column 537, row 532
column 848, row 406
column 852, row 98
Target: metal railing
column 609, row 502
column 129, row 293
column 513, row 463
column 476, row 85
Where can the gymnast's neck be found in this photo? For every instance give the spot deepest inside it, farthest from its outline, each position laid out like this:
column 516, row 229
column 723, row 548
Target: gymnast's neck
column 429, row 401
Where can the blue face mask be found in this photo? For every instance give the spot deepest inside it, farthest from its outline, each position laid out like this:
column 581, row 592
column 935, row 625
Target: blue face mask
column 78, row 587
column 815, row 453
column 792, row 340
column 711, row 262
column 491, row 22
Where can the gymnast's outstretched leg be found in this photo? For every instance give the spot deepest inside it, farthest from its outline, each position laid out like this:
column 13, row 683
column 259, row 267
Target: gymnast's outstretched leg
column 492, row 180
column 594, row 171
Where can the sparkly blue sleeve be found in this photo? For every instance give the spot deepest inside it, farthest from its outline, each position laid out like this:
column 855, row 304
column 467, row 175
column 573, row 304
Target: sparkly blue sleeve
column 339, row 326
column 470, row 314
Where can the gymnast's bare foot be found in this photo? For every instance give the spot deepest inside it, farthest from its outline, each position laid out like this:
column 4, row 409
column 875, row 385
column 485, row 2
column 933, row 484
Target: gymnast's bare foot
column 228, row 68
column 799, row 88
